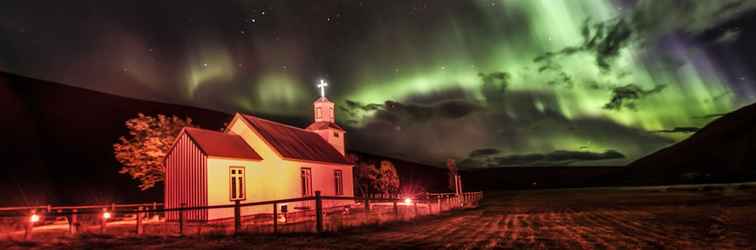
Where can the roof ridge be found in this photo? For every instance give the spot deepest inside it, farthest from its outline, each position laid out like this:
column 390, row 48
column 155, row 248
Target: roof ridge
column 275, row 122
column 208, row 130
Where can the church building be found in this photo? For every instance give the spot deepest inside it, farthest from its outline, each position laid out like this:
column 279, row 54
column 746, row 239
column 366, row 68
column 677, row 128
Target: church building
column 257, row 160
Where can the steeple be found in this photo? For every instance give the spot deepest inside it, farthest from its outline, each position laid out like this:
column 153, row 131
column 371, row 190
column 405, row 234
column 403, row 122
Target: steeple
column 324, row 107
column 325, row 120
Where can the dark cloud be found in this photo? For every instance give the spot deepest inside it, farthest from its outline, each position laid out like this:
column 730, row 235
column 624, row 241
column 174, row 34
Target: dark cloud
column 648, row 21
column 525, row 121
column 607, row 47
column 729, row 36
column 557, row 157
column 494, row 86
column 625, row 96
column 457, row 108
column 711, row 116
column 678, row 130
column 484, row 152
column 397, row 112
column 562, row 79
column 604, row 40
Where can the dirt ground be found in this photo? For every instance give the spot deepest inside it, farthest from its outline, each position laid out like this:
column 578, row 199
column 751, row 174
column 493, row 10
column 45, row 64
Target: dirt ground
column 559, row 219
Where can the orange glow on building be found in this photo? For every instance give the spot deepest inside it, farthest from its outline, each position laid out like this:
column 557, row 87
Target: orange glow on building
column 203, row 167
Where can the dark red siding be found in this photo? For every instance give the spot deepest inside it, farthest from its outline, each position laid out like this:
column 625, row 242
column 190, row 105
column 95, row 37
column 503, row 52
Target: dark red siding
column 186, row 179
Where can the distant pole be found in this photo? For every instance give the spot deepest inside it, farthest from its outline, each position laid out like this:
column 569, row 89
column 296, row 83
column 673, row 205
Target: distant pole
column 275, row 218
column 237, row 217
column 73, row 228
column 415, row 204
column 367, row 203
column 319, row 212
column 430, row 211
column 139, row 226
column 154, row 208
column 396, row 210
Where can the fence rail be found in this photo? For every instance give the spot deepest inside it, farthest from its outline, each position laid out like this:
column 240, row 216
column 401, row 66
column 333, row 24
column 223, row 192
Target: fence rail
column 332, row 217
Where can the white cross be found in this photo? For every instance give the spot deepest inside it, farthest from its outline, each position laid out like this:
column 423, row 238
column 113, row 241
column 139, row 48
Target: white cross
column 322, row 86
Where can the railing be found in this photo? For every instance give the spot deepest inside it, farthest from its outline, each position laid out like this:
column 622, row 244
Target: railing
column 315, row 214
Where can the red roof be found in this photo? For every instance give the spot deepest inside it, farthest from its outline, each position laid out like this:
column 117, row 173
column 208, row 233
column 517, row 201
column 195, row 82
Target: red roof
column 214, row 143
column 296, row 143
column 322, row 125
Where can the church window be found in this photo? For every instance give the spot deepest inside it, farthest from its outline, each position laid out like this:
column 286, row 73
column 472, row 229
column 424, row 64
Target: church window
column 306, row 180
column 237, row 184
column 338, row 177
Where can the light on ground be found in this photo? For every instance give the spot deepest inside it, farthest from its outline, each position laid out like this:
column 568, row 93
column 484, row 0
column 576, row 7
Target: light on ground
column 34, row 218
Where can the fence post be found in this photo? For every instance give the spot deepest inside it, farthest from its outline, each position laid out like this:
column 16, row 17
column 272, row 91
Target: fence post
column 396, row 210
column 430, row 211
column 237, row 216
column 319, row 212
column 73, row 228
column 29, row 225
column 154, row 208
column 275, row 217
column 438, row 204
column 367, row 203
column 182, row 218
column 139, row 215
column 415, row 205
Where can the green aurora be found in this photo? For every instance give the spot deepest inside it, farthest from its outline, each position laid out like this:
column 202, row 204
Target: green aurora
column 487, row 82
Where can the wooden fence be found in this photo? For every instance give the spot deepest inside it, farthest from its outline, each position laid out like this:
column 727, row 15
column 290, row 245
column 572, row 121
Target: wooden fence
column 362, row 211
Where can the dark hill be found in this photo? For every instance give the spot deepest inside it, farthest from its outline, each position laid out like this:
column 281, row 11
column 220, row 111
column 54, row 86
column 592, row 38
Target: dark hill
column 723, row 151
column 540, row 177
column 57, row 142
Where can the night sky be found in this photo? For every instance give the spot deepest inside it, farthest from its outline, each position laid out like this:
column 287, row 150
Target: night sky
column 489, row 83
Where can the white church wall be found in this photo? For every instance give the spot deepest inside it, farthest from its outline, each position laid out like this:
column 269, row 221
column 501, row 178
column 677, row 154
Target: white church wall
column 272, row 178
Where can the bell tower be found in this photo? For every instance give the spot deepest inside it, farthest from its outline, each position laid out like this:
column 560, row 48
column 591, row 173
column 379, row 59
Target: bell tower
column 325, row 121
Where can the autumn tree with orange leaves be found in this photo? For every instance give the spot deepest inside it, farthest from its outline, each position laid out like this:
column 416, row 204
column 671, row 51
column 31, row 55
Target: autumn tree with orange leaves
column 141, row 153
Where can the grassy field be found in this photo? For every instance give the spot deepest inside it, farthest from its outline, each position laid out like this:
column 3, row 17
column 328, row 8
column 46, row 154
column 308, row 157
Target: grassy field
column 710, row 218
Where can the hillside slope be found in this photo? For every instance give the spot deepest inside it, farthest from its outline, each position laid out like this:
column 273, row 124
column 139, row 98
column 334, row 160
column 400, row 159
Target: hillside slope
column 57, row 142
column 723, row 151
